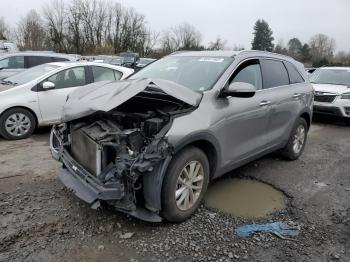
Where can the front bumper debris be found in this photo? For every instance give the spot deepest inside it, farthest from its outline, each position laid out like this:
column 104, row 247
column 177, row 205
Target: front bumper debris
column 87, row 187
column 84, row 185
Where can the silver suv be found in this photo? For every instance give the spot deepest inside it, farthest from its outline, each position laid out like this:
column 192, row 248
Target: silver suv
column 15, row 63
column 149, row 145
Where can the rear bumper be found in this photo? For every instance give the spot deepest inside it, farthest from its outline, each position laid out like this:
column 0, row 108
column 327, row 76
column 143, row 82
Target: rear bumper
column 84, row 185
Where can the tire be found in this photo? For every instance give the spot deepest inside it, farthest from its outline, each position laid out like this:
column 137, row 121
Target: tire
column 291, row 151
column 187, row 158
column 347, row 121
column 23, row 118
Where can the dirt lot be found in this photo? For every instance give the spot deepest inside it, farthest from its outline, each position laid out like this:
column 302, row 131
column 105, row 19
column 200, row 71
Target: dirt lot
column 41, row 221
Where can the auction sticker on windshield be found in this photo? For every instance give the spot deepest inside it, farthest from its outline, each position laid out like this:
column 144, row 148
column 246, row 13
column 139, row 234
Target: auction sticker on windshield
column 211, row 59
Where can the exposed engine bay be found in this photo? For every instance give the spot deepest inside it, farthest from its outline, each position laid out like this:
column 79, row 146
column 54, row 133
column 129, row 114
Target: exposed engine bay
column 119, row 146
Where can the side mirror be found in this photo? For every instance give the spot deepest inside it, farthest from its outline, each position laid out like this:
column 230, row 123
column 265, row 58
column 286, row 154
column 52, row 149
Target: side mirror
column 1, row 67
column 239, row 89
column 47, row 85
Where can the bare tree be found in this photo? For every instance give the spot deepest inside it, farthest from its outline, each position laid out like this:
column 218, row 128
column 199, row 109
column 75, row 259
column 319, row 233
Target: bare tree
column 238, row 48
column 55, row 15
column 3, row 29
column 74, row 18
column 151, row 41
column 168, row 45
column 321, row 48
column 341, row 59
column 30, row 33
column 93, row 26
column 187, row 36
column 181, row 37
column 218, row 44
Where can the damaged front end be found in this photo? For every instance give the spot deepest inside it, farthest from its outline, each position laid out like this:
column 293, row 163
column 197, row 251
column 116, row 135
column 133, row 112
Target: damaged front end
column 108, row 156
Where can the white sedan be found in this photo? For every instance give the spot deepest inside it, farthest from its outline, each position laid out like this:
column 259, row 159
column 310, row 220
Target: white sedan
column 36, row 96
column 332, row 91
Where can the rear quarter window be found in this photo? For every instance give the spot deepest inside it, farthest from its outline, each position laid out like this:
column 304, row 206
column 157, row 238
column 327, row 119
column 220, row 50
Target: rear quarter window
column 37, row 60
column 294, row 75
column 274, row 73
column 59, row 59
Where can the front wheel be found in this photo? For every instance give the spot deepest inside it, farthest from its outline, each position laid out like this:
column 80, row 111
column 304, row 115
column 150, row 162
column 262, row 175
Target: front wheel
column 296, row 142
column 17, row 123
column 185, row 184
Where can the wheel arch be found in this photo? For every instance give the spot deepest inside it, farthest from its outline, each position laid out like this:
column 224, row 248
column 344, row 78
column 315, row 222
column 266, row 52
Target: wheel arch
column 25, row 108
column 153, row 182
column 208, row 147
column 307, row 117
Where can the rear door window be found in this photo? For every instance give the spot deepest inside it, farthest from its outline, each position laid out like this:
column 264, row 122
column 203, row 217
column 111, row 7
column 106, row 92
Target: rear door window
column 13, row 62
column 274, row 73
column 37, row 60
column 294, row 75
column 105, row 74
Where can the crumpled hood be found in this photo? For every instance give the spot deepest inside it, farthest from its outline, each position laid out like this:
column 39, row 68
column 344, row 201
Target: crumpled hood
column 338, row 89
column 5, row 87
column 105, row 96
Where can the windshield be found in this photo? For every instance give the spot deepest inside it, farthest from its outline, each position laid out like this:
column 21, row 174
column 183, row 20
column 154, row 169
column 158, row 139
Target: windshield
column 116, row 61
column 331, row 76
column 194, row 72
column 145, row 60
column 30, row 74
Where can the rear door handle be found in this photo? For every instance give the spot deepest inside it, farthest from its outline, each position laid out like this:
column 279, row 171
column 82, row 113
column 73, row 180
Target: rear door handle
column 265, row 103
column 297, row 95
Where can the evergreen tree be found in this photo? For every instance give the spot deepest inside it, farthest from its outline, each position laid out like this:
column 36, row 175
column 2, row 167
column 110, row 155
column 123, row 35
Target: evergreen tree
column 294, row 48
column 305, row 53
column 262, row 36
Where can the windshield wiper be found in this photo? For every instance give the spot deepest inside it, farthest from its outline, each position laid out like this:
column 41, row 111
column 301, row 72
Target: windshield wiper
column 6, row 82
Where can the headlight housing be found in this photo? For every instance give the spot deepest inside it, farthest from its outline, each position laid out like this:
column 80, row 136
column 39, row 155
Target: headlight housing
column 345, row 96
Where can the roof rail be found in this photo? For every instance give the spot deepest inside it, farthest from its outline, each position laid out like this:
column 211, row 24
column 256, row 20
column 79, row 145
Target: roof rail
column 265, row 52
column 181, row 51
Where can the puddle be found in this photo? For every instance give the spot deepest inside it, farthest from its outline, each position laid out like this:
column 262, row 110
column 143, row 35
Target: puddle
column 244, row 198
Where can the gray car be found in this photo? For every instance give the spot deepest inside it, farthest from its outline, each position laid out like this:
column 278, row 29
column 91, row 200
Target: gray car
column 14, row 63
column 149, row 145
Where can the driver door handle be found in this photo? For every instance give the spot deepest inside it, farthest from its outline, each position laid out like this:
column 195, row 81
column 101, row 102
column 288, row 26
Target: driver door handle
column 265, row 103
column 297, row 95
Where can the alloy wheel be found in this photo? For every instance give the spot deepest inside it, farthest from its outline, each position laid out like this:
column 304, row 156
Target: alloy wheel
column 299, row 139
column 189, row 185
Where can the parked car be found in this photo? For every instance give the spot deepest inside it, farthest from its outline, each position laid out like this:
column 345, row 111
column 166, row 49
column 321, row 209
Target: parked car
column 143, row 62
column 332, row 91
column 7, row 47
column 130, row 59
column 149, row 145
column 115, row 60
column 35, row 97
column 310, row 70
column 17, row 62
column 101, row 58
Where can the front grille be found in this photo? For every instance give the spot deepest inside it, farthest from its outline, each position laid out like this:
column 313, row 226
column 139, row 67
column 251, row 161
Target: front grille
column 326, row 98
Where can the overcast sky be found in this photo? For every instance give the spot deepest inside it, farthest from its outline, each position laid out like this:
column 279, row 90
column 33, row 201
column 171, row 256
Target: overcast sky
column 233, row 20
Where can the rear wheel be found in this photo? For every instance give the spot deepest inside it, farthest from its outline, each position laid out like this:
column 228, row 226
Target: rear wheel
column 296, row 142
column 17, row 123
column 185, row 184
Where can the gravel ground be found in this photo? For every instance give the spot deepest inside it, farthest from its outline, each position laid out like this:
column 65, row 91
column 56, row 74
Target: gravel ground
column 41, row 221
